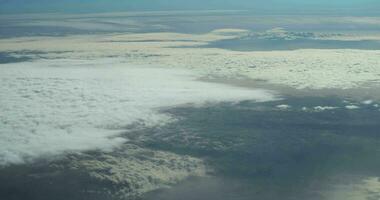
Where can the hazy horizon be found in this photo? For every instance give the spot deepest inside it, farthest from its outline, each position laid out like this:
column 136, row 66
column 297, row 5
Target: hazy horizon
column 348, row 7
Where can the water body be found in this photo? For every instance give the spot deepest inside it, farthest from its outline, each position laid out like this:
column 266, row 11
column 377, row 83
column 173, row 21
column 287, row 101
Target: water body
column 264, row 151
column 282, row 44
column 171, row 21
column 9, row 58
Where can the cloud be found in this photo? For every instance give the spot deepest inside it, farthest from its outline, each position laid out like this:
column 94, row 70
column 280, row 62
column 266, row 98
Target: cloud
column 352, row 107
column 304, row 68
column 49, row 107
column 366, row 188
column 367, row 102
column 323, row 108
column 283, row 107
column 137, row 170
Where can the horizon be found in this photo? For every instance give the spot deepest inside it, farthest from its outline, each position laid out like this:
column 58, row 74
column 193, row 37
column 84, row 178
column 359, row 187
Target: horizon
column 351, row 7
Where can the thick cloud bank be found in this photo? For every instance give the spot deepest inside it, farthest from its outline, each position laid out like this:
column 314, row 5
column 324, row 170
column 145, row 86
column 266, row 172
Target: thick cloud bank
column 50, row 107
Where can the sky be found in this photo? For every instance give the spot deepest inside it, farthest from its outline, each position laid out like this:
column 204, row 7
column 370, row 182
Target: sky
column 271, row 6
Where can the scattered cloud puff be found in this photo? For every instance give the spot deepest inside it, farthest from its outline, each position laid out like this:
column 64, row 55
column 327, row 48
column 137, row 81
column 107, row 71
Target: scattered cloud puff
column 323, row 108
column 352, row 107
column 283, row 106
column 367, row 102
column 366, row 188
column 137, row 169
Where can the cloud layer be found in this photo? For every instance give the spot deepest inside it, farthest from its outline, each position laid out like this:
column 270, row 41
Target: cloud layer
column 50, row 107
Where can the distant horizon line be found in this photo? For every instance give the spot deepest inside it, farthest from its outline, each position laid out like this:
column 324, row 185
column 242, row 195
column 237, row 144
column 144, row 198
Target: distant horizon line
column 328, row 12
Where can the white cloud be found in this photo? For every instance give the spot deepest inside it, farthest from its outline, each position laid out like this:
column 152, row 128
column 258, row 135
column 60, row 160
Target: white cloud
column 367, row 102
column 53, row 106
column 366, row 188
column 283, row 106
column 138, row 172
column 352, row 107
column 323, row 108
column 306, row 68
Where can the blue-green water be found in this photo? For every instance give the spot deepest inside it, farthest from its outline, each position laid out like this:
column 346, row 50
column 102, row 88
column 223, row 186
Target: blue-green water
column 261, row 152
column 281, row 44
column 7, row 58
